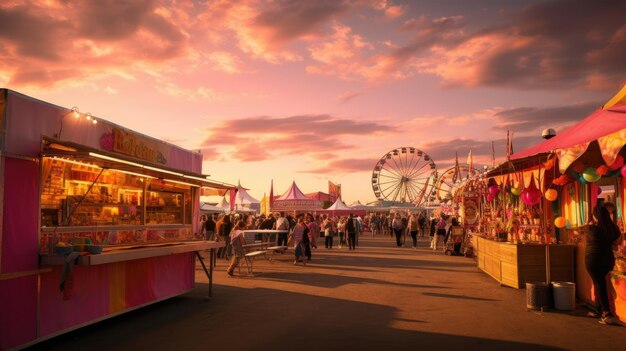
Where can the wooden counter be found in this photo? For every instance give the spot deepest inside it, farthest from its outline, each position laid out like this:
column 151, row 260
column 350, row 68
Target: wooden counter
column 126, row 253
column 515, row 264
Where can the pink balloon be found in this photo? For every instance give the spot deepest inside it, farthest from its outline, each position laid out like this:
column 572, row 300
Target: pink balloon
column 494, row 190
column 619, row 162
column 531, row 196
column 490, row 197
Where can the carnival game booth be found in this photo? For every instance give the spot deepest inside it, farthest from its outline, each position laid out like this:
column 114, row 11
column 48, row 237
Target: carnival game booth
column 97, row 220
column 294, row 201
column 514, row 239
column 590, row 169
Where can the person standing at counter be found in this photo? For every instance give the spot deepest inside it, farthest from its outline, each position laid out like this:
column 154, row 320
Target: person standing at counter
column 599, row 261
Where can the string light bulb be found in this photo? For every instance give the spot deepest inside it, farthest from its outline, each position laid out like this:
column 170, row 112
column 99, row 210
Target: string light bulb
column 88, row 116
column 76, row 112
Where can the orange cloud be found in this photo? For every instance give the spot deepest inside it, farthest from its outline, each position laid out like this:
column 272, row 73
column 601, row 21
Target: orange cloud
column 346, row 166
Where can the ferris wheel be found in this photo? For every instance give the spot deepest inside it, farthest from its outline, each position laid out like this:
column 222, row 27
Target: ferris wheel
column 404, row 174
column 448, row 179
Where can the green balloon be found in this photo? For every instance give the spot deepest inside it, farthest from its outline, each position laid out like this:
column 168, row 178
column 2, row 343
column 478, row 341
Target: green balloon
column 591, row 175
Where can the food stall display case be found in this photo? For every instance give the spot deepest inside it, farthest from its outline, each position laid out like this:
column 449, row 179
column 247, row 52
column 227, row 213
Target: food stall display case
column 97, row 220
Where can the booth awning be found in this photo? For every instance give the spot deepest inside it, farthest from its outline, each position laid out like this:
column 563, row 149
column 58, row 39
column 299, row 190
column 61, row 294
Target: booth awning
column 607, row 126
column 107, row 160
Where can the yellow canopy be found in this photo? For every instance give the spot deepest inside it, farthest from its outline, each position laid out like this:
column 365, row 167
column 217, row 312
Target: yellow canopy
column 619, row 98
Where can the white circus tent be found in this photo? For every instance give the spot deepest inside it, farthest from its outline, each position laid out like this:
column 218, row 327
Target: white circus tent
column 245, row 201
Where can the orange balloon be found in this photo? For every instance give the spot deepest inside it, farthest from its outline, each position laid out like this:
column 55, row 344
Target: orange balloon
column 560, row 222
column 551, row 194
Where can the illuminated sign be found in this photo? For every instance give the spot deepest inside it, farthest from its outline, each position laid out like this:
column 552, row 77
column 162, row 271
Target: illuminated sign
column 135, row 145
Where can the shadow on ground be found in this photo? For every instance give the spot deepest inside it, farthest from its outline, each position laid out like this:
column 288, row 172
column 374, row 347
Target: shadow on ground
column 265, row 319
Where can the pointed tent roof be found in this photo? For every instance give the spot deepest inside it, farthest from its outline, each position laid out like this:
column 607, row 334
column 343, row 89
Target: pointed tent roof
column 356, row 203
column 293, row 193
column 206, row 207
column 224, row 204
column 243, row 198
column 338, row 206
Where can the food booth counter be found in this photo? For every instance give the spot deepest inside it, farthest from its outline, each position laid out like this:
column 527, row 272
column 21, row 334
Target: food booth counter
column 516, row 264
column 97, row 220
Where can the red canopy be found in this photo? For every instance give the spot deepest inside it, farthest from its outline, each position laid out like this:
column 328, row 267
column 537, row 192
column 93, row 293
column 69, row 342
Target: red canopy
column 599, row 124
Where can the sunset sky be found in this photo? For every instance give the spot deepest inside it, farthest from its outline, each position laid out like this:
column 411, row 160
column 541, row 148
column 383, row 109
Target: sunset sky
column 319, row 90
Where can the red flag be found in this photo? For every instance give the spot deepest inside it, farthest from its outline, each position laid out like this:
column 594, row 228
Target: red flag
column 232, row 198
column 332, row 191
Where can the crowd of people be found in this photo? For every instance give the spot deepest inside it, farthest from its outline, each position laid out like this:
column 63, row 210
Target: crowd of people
column 303, row 231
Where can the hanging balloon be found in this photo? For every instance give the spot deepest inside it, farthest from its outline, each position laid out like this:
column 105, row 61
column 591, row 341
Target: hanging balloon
column 560, row 222
column 551, row 194
column 490, row 197
column 494, row 190
column 531, row 195
column 578, row 166
column 619, row 162
column 591, row 175
column 516, row 191
column 602, row 170
column 583, row 180
column 624, row 171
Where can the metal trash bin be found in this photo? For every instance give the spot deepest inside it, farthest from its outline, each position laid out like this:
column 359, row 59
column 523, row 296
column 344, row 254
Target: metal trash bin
column 538, row 295
column 564, row 295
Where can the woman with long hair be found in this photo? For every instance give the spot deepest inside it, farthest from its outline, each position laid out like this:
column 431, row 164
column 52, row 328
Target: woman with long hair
column 599, row 261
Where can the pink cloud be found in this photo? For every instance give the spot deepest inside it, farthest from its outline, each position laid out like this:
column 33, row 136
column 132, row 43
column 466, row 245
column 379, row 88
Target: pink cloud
column 82, row 39
column 309, row 135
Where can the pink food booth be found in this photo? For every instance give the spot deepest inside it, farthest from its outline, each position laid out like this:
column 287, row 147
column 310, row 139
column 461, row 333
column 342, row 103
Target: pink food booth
column 97, row 220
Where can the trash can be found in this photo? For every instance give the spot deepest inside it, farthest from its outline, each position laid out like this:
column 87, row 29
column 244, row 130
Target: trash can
column 537, row 295
column 564, row 295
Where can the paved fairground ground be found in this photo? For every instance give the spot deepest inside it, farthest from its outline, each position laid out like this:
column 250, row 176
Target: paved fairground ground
column 378, row 297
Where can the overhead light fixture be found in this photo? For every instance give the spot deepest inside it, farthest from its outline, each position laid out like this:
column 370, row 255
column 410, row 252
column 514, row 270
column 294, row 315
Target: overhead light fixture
column 75, row 111
column 183, row 183
column 104, row 157
column 163, row 170
column 75, row 162
column 89, row 117
column 196, row 178
column 133, row 173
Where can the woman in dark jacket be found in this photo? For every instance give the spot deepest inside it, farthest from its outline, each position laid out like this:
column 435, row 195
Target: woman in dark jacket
column 599, row 260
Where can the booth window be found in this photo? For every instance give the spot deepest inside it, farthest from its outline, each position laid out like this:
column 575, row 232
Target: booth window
column 75, row 194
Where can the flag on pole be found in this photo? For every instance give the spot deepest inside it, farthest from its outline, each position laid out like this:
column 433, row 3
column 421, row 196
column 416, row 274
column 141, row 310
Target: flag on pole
column 470, row 162
column 457, row 169
column 233, row 192
column 271, row 195
column 334, row 191
column 493, row 154
column 264, row 205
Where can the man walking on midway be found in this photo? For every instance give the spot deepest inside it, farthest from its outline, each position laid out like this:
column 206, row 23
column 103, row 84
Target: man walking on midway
column 282, row 223
column 351, row 230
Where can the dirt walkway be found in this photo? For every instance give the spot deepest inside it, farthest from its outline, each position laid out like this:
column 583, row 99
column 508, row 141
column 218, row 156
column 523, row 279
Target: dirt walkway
column 378, row 297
